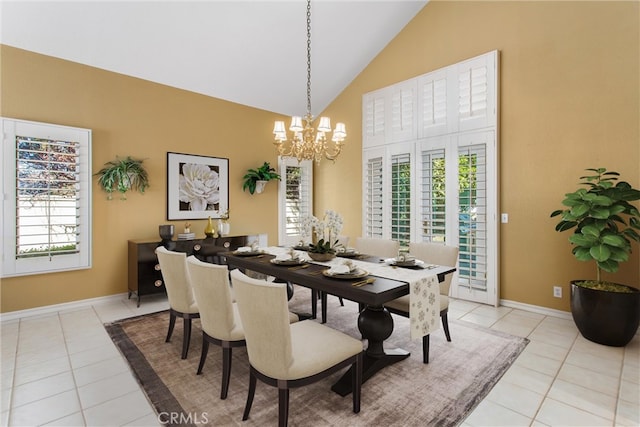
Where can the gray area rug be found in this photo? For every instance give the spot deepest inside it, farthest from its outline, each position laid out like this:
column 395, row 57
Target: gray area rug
column 459, row 375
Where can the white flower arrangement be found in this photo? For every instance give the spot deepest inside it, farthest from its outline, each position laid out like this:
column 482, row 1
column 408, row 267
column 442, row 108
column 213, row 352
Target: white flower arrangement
column 327, row 230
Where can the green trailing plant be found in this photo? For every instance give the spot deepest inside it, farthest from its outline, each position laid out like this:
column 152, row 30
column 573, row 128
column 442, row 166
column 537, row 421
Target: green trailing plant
column 263, row 173
column 324, row 247
column 122, row 175
column 603, row 220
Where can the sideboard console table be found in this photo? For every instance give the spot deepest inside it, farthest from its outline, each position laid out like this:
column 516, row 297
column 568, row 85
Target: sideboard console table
column 144, row 275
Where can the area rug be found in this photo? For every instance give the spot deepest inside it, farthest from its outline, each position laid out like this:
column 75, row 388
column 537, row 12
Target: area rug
column 442, row 393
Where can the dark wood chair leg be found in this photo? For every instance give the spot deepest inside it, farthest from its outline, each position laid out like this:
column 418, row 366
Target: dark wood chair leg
column 314, row 304
column 445, row 325
column 226, row 371
column 425, row 349
column 250, row 394
column 341, row 302
column 283, row 407
column 203, row 355
column 323, row 305
column 172, row 324
column 356, row 386
column 187, row 337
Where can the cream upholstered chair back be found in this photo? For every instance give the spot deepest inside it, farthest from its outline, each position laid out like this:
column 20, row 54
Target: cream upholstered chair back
column 436, row 253
column 173, row 266
column 385, row 248
column 213, row 295
column 265, row 319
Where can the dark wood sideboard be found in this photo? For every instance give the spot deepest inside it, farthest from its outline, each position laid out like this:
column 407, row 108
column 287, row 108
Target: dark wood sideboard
column 144, row 275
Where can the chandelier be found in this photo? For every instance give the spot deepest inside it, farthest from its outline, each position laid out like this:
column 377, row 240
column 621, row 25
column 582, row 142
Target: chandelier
column 307, row 142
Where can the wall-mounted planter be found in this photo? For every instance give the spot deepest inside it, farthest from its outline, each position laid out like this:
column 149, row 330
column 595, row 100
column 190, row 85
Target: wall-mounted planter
column 256, row 179
column 122, row 175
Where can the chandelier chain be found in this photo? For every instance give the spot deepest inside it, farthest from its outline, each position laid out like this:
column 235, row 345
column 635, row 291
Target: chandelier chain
column 309, row 58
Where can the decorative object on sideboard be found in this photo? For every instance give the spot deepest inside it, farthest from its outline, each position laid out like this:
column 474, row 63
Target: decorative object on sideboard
column 210, row 230
column 122, row 175
column 197, row 186
column 604, row 222
column 308, row 143
column 187, row 234
column 256, row 179
column 166, row 232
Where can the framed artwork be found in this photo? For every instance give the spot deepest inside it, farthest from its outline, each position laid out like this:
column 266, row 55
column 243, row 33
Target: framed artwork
column 197, row 186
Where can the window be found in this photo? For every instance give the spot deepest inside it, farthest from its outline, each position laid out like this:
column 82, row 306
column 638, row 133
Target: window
column 401, row 198
column 47, row 195
column 295, row 198
column 431, row 176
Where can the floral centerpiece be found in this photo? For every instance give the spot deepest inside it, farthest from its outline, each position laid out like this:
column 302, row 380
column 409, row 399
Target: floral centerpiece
column 324, row 235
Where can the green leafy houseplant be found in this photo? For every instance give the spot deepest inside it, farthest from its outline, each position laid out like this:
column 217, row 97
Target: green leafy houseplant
column 263, row 173
column 123, row 175
column 323, row 247
column 603, row 219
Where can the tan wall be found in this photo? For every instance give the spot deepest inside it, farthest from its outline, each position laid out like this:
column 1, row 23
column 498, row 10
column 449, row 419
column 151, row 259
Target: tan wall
column 569, row 100
column 133, row 117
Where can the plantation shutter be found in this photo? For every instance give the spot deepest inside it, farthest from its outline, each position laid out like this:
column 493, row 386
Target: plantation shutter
column 296, row 196
column 401, row 198
column 403, row 105
column 374, row 197
column 433, row 104
column 433, row 197
column 472, row 216
column 374, row 119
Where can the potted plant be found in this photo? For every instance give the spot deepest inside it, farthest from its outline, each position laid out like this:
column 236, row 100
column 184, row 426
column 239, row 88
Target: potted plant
column 255, row 179
column 604, row 223
column 123, row 175
column 324, row 235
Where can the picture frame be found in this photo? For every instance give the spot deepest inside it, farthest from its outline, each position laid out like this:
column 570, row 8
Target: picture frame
column 210, row 175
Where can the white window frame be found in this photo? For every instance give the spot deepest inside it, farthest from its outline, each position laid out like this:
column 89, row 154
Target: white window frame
column 307, row 166
column 11, row 264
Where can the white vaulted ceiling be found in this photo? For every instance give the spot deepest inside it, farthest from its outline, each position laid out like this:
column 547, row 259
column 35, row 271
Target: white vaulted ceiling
column 249, row 52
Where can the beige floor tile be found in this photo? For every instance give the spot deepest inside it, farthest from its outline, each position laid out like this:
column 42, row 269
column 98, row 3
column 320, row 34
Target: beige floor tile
column 100, row 370
column 547, row 350
column 478, row 319
column 492, row 312
column 5, row 399
column 631, row 373
column 516, row 398
column 629, row 391
column 94, row 355
column 528, row 379
column 107, row 389
column 488, row 413
column 538, row 363
column 628, row 414
column 40, row 389
column 513, row 328
column 40, row 356
column 148, row 420
column 45, row 410
column 554, row 413
column 599, row 364
column 591, row 401
column 25, row 374
column 74, row 420
column 120, row 411
column 590, row 379
column 553, row 337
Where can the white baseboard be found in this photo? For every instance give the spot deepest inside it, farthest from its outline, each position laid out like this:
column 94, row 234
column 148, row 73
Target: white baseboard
column 49, row 309
column 537, row 309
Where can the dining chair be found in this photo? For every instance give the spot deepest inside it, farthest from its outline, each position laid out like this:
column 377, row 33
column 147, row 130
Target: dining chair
column 173, row 266
column 384, row 248
column 430, row 253
column 287, row 355
column 219, row 318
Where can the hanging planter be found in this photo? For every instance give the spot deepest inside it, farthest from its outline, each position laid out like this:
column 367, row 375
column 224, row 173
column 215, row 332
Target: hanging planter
column 256, row 179
column 122, row 175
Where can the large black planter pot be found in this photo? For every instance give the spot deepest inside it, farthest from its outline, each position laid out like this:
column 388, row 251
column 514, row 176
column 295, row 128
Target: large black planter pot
column 609, row 318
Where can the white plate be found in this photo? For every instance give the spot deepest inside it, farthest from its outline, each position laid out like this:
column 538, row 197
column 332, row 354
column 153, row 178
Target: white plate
column 242, row 253
column 357, row 274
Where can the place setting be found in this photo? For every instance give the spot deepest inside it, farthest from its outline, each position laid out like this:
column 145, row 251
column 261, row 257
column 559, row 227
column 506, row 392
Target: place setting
column 249, row 251
column 406, row 260
column 290, row 259
column 348, row 271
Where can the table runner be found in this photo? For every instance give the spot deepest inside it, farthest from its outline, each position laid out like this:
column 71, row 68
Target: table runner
column 424, row 289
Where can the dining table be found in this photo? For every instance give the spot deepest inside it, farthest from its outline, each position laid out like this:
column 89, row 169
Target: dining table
column 379, row 282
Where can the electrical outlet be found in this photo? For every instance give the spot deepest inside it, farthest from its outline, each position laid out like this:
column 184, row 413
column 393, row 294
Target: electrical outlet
column 557, row 291
column 504, row 218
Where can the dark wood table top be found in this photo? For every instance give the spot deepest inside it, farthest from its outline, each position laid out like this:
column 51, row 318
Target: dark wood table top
column 376, row 294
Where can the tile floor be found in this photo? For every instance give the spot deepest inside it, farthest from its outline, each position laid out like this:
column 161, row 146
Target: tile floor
column 62, row 369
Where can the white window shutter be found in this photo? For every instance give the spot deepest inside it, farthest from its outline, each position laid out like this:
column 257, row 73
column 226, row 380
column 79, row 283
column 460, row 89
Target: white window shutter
column 373, row 117
column 403, row 111
column 295, row 198
column 433, row 107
